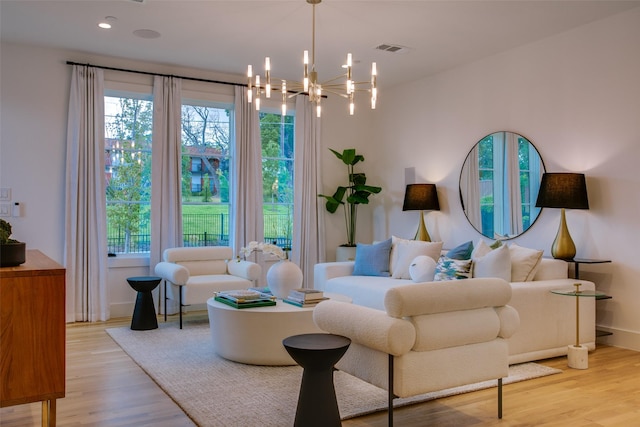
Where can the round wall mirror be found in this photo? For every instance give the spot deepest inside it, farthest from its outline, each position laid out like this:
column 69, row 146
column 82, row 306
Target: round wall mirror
column 499, row 185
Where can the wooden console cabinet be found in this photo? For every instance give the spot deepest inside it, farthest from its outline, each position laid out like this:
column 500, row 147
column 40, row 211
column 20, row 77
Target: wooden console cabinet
column 32, row 334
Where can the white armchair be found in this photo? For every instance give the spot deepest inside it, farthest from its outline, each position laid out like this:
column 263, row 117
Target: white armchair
column 196, row 273
column 432, row 336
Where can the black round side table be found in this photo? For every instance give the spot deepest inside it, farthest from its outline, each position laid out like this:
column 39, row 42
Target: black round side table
column 317, row 353
column 144, row 313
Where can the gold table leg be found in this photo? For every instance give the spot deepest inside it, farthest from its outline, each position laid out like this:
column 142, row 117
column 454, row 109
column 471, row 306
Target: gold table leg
column 49, row 413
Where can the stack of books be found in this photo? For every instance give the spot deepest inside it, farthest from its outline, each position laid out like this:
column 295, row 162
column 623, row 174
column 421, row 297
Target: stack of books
column 243, row 298
column 304, row 297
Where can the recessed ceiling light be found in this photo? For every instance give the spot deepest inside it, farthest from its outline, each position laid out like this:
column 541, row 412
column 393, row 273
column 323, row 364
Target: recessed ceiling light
column 147, row 34
column 106, row 23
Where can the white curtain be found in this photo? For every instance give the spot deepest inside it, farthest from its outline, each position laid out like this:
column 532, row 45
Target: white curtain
column 85, row 255
column 308, row 232
column 470, row 188
column 166, row 172
column 246, row 219
column 500, row 195
column 513, row 221
column 166, row 168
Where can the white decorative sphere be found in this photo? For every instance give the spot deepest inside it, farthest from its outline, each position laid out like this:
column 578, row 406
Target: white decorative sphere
column 282, row 277
column 422, row 269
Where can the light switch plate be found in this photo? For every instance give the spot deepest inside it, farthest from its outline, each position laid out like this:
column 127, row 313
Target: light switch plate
column 5, row 209
column 5, row 194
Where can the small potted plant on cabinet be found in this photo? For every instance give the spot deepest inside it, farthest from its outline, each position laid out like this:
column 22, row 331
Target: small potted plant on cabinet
column 355, row 193
column 12, row 252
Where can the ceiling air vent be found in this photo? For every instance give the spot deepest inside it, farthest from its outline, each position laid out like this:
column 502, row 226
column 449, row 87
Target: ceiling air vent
column 393, row 48
column 138, row 1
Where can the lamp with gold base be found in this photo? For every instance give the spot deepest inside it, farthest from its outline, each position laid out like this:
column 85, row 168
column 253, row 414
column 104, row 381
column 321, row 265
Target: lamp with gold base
column 422, row 197
column 563, row 190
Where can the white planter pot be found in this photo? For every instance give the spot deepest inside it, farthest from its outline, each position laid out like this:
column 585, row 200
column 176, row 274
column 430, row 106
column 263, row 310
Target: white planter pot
column 346, row 253
column 282, row 277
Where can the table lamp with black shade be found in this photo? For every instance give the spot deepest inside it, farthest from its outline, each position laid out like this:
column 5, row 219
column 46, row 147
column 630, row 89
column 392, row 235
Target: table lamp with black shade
column 564, row 190
column 421, row 197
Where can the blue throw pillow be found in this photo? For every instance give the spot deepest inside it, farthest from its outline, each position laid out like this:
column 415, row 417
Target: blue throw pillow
column 372, row 260
column 462, row 251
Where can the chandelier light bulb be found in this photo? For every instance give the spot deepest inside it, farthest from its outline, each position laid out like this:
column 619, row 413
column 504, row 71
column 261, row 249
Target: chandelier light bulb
column 284, row 97
column 342, row 85
column 267, row 68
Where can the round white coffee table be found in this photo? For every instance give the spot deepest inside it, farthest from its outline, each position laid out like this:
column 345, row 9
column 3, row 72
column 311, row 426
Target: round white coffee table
column 254, row 335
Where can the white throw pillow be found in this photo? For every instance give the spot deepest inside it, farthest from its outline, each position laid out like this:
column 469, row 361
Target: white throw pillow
column 422, row 269
column 495, row 263
column 404, row 251
column 524, row 262
column 481, row 249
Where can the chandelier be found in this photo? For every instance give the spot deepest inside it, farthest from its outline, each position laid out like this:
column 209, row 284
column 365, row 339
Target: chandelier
column 310, row 84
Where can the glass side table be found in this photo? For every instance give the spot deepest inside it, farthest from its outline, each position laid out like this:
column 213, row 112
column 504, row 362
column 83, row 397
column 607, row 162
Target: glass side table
column 577, row 355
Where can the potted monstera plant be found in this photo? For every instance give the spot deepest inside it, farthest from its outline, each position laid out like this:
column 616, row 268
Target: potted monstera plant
column 12, row 252
column 354, row 193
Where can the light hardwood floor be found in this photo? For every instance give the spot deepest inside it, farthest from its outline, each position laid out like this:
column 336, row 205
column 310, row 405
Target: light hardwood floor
column 106, row 388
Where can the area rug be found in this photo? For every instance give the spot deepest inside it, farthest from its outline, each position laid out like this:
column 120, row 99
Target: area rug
column 213, row 391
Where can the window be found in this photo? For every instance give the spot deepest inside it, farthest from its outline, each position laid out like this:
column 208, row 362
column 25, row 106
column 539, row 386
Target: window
column 205, row 174
column 205, row 180
column 277, row 135
column 485, row 168
column 128, row 128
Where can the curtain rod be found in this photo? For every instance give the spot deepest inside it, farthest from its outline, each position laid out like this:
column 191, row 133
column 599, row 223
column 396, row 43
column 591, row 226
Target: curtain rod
column 156, row 74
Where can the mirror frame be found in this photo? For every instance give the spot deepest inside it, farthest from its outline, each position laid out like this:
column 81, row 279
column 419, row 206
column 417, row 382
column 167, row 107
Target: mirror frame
column 532, row 197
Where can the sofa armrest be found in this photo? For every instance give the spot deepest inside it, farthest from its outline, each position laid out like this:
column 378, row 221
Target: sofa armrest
column 509, row 321
column 328, row 270
column 550, row 269
column 245, row 269
column 366, row 326
column 174, row 273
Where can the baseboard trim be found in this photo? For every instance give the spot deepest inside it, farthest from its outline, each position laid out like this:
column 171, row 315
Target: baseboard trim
column 620, row 338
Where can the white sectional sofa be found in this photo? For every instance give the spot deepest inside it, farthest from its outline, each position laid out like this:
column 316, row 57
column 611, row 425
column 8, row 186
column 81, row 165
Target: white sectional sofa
column 547, row 320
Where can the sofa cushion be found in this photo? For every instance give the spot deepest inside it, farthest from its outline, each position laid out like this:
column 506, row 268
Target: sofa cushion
column 372, row 260
column 428, row 298
column 462, row 251
column 368, row 291
column 422, row 269
column 524, row 263
column 496, row 263
column 452, row 269
column 403, row 252
column 432, row 332
column 199, row 268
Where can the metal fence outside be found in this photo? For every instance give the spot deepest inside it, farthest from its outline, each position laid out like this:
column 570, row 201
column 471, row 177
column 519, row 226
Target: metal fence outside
column 202, row 230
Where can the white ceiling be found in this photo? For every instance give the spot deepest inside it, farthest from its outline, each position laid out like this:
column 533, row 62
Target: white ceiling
column 225, row 36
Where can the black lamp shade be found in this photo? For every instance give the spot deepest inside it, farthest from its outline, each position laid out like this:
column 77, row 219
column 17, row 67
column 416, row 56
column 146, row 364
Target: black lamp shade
column 563, row 190
column 421, row 197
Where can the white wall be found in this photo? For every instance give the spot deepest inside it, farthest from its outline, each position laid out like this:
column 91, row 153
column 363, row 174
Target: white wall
column 576, row 96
